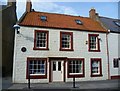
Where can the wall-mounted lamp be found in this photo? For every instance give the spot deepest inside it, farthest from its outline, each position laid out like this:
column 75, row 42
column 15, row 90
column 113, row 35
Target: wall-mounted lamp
column 16, row 27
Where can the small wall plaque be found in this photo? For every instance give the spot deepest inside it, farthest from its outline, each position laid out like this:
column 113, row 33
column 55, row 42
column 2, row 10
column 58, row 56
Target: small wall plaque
column 23, row 49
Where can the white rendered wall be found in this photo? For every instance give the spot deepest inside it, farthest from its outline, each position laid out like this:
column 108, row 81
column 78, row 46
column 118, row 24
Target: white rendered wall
column 26, row 39
column 113, row 52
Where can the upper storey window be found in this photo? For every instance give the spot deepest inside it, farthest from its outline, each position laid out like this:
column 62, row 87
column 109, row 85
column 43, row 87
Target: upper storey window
column 41, row 40
column 66, row 41
column 94, row 44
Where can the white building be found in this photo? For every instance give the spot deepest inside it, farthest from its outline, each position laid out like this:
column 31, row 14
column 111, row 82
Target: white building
column 57, row 47
column 113, row 26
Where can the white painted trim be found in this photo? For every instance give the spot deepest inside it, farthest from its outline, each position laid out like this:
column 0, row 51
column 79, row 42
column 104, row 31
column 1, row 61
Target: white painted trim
column 14, row 58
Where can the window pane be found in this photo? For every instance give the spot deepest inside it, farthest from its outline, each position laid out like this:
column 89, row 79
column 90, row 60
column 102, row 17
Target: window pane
column 36, row 66
column 95, row 67
column 116, row 62
column 59, row 66
column 42, row 71
column 93, row 42
column 70, row 68
column 74, row 71
column 54, row 66
column 41, row 39
column 41, row 66
column 75, row 66
column 66, row 41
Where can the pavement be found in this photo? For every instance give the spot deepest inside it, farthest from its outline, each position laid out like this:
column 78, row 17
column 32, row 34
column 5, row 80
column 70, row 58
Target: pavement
column 107, row 85
column 6, row 82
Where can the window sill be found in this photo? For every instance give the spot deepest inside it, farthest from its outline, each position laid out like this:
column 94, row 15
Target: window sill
column 66, row 50
column 97, row 75
column 40, row 48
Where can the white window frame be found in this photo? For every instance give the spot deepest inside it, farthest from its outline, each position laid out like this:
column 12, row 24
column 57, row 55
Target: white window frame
column 66, row 36
column 37, row 67
column 39, row 38
column 98, row 66
column 75, row 67
column 94, row 43
column 95, row 46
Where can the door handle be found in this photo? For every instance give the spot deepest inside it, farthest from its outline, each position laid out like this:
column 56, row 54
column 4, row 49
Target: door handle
column 61, row 71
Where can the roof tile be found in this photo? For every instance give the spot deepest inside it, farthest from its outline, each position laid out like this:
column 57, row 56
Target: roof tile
column 61, row 21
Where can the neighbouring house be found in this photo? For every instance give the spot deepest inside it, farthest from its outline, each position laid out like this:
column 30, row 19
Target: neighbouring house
column 57, row 47
column 9, row 18
column 113, row 26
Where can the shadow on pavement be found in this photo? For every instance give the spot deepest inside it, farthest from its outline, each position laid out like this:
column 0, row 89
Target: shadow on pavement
column 6, row 82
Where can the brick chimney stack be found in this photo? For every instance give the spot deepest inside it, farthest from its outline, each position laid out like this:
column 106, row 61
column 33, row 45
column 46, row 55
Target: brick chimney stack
column 93, row 14
column 28, row 6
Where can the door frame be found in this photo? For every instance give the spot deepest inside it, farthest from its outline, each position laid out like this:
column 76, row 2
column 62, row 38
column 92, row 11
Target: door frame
column 64, row 68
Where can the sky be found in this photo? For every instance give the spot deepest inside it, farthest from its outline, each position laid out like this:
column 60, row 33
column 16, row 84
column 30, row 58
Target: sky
column 107, row 9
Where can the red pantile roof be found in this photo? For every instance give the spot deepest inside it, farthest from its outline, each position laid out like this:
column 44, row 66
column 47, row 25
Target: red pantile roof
column 60, row 21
